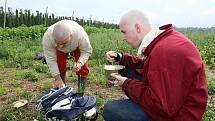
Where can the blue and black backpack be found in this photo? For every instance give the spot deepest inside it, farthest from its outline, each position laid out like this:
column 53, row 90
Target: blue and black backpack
column 66, row 104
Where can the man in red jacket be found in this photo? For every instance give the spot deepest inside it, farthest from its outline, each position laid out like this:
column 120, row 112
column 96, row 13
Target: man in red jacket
column 171, row 83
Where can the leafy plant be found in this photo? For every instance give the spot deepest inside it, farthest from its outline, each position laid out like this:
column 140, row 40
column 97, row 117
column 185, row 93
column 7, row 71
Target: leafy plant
column 27, row 74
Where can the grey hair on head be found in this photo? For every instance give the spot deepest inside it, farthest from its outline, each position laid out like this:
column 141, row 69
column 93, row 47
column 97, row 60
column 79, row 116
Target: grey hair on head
column 136, row 16
column 61, row 31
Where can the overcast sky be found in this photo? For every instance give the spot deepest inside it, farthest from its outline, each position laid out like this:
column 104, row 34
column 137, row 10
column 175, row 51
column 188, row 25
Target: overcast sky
column 181, row 13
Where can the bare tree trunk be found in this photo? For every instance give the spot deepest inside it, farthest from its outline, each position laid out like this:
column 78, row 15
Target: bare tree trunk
column 5, row 13
column 46, row 16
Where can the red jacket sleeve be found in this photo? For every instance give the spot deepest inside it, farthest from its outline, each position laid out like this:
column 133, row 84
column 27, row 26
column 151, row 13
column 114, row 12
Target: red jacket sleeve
column 132, row 61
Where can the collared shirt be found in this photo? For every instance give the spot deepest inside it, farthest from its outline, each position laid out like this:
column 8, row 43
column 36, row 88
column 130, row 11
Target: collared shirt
column 79, row 39
column 153, row 33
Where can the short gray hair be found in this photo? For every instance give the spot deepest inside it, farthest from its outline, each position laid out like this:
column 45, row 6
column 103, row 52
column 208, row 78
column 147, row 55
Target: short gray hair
column 61, row 30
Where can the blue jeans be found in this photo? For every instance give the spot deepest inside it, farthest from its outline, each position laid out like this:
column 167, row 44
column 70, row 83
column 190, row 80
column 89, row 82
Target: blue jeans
column 123, row 110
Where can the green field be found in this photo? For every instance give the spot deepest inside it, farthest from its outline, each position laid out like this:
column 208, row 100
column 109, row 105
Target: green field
column 24, row 77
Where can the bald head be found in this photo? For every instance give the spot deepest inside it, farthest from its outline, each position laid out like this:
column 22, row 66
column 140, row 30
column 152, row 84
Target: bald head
column 134, row 25
column 135, row 16
column 61, row 31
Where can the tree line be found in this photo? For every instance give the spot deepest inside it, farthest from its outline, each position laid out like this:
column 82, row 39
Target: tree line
column 195, row 29
column 27, row 18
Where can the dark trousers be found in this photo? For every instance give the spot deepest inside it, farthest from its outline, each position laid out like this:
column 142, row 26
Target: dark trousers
column 123, row 110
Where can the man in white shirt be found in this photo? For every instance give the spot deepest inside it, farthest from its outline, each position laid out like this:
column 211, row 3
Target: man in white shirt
column 59, row 40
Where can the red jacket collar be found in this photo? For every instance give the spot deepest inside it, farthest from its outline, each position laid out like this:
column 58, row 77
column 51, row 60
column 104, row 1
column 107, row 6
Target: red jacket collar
column 168, row 29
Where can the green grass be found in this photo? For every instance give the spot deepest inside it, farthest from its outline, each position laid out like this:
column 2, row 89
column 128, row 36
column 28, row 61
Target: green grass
column 12, row 114
column 29, row 75
column 2, row 90
column 210, row 114
column 211, row 85
column 46, row 84
column 18, row 50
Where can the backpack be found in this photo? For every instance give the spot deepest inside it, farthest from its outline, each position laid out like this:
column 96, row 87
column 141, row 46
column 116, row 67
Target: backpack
column 64, row 104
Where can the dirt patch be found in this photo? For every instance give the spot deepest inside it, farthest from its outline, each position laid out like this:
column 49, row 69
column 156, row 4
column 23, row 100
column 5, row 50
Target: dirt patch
column 210, row 73
column 106, row 92
column 92, row 89
column 101, row 91
column 211, row 98
column 29, row 86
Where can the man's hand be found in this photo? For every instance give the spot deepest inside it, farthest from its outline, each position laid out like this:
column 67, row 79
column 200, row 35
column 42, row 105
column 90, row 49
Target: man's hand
column 58, row 82
column 113, row 56
column 76, row 66
column 119, row 80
